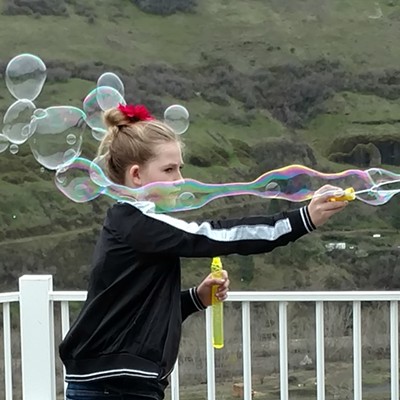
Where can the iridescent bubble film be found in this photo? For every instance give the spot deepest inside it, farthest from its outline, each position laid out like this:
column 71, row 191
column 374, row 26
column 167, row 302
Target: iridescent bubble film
column 294, row 183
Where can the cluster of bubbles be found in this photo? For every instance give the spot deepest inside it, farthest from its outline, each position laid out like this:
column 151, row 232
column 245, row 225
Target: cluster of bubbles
column 55, row 134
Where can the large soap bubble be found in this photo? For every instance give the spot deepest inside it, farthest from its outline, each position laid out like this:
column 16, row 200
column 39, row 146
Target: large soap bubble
column 57, row 140
column 16, row 121
column 109, row 79
column 25, row 76
column 98, row 100
column 76, row 184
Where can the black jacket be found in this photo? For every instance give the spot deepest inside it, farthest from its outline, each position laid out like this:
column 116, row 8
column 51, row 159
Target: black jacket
column 130, row 324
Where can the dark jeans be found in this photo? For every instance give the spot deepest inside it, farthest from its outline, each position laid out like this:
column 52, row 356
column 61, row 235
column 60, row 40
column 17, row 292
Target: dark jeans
column 97, row 391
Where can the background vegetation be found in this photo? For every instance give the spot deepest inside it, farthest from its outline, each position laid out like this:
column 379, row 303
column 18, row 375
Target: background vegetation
column 268, row 83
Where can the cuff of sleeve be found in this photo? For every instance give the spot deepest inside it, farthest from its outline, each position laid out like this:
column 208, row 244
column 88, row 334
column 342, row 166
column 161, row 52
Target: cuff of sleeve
column 305, row 216
column 196, row 299
column 301, row 221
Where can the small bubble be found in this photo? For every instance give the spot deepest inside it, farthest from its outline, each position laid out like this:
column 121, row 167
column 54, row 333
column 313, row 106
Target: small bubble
column 177, row 118
column 186, row 198
column 273, row 189
column 71, row 139
column 14, row 149
column 39, row 113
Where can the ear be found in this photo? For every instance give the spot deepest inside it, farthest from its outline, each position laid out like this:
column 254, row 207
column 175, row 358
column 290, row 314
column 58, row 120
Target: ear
column 134, row 175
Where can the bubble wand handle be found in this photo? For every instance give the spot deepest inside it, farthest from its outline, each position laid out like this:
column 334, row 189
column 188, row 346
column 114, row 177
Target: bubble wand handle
column 217, row 309
column 349, row 194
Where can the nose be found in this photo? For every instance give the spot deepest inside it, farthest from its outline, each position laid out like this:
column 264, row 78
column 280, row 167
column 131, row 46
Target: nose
column 178, row 176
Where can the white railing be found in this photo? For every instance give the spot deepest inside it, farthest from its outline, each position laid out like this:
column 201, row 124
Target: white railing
column 6, row 299
column 37, row 298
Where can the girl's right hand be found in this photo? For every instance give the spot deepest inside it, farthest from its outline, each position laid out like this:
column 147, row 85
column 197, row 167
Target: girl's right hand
column 321, row 208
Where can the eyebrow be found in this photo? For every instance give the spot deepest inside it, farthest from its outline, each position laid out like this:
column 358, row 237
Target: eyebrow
column 174, row 165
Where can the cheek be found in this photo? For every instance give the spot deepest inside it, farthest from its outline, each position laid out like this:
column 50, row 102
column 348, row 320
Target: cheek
column 170, row 178
column 162, row 176
column 151, row 175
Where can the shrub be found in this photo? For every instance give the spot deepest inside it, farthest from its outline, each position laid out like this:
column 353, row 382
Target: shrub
column 29, row 7
column 166, row 7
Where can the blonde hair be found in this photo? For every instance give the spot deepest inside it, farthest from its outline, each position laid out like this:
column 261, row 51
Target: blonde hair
column 128, row 142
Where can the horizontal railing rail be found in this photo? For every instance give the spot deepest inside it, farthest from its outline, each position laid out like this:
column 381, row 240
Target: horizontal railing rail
column 37, row 299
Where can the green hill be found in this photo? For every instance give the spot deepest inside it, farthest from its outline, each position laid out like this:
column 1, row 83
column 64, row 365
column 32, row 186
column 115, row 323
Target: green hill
column 268, row 83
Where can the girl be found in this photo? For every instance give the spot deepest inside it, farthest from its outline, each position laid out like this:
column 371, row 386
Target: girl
column 125, row 341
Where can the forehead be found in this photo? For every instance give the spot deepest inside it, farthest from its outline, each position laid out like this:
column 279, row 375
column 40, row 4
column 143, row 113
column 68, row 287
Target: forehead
column 169, row 152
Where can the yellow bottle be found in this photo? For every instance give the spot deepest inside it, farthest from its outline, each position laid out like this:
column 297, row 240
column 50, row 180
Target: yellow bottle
column 217, row 310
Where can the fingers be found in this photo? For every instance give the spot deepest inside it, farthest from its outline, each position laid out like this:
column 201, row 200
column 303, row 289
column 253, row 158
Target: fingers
column 326, row 211
column 224, row 274
column 222, row 291
column 217, row 281
column 333, row 205
column 223, row 285
column 326, row 192
column 321, row 208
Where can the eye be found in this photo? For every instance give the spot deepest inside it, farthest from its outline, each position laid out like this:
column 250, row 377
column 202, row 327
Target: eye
column 168, row 170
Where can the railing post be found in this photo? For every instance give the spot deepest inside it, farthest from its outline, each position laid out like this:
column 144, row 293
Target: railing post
column 320, row 349
column 357, row 351
column 283, row 350
column 175, row 382
column 247, row 393
column 37, row 337
column 210, row 357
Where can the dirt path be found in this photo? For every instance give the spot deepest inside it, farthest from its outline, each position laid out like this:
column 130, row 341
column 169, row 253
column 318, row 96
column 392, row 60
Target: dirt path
column 28, row 239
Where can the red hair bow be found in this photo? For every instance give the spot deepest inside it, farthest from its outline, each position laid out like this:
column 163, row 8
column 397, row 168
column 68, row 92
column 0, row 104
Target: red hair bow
column 135, row 112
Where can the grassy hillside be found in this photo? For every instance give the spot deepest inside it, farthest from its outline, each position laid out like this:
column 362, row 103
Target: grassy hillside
column 267, row 83
column 243, row 32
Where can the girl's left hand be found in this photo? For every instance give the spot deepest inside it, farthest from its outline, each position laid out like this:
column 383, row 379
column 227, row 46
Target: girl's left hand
column 204, row 290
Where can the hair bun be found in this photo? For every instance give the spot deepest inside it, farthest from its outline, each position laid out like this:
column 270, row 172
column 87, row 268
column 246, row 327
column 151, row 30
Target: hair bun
column 114, row 118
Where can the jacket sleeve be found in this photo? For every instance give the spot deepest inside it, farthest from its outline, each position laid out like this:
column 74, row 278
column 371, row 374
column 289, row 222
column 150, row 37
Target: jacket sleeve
column 150, row 233
column 190, row 303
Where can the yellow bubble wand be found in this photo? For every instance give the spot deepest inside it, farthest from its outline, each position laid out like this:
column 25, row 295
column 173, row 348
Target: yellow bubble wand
column 349, row 194
column 217, row 309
